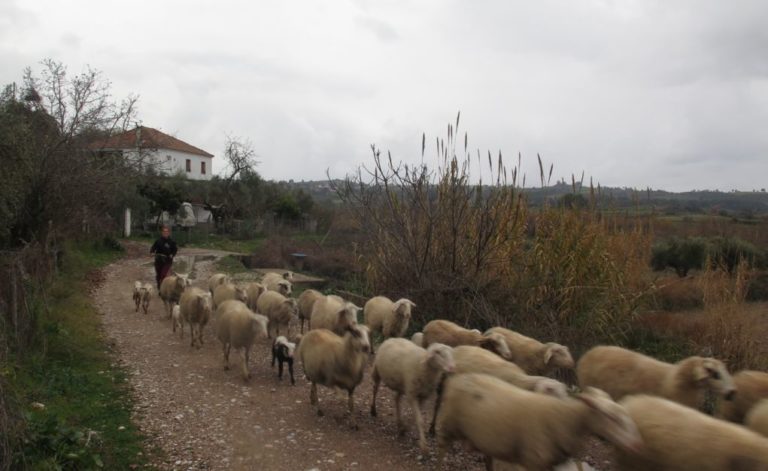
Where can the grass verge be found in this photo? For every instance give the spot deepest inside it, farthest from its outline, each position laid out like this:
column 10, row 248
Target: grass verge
column 86, row 419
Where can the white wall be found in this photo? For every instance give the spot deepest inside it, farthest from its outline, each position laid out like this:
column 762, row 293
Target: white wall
column 173, row 161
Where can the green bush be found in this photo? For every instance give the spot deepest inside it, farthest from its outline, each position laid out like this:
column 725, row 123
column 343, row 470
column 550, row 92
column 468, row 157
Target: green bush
column 682, row 255
column 728, row 252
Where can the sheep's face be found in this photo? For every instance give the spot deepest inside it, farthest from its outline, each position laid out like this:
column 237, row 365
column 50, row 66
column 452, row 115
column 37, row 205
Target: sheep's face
column 241, row 294
column 290, row 306
column 183, row 280
column 611, row 421
column 716, row 377
column 403, row 307
column 441, row 356
column 288, row 276
column 285, row 347
column 137, row 286
column 284, row 287
column 496, row 344
column 360, row 334
column 558, row 355
column 206, row 303
column 550, row 387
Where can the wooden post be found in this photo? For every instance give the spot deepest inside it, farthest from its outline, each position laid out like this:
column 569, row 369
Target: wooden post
column 127, row 230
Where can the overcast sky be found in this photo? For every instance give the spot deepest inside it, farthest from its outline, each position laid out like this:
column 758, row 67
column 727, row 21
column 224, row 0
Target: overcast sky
column 660, row 93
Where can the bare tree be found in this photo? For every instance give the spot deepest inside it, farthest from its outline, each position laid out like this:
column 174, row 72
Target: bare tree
column 241, row 162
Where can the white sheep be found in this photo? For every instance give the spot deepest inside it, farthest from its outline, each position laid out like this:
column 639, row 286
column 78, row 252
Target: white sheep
column 333, row 313
column 535, row 431
column 137, row 285
column 449, row 333
column 171, row 289
column 471, row 359
column 196, row 307
column 678, row 438
column 279, row 310
column 534, row 357
column 228, row 291
column 177, row 320
column 277, row 282
column 418, row 339
column 238, row 327
column 751, row 387
column 757, row 417
column 410, row 371
column 621, row 372
column 333, row 361
column 389, row 318
column 252, row 291
column 145, row 293
column 217, row 279
column 306, row 301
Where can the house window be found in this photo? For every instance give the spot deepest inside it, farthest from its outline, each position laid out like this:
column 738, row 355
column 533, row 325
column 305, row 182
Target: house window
column 189, row 165
column 202, row 168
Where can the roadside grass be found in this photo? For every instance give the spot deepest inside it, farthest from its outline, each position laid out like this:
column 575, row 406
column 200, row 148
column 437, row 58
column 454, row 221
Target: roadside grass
column 86, row 422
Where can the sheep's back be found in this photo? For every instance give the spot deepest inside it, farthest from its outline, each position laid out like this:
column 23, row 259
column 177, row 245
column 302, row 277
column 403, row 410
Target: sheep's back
column 621, row 372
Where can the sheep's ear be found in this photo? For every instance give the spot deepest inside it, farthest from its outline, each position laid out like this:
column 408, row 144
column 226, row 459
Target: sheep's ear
column 700, row 373
column 548, row 354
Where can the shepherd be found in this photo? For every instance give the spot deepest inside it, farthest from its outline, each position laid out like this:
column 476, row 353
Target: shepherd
column 164, row 250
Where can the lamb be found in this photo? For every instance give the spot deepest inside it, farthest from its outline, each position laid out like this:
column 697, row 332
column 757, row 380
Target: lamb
column 678, row 438
column 277, row 282
column 227, row 291
column 418, row 339
column 752, row 386
column 282, row 351
column 333, row 361
column 471, row 359
column 307, row 300
column 279, row 310
column 534, row 357
column 450, row 334
column 389, row 318
column 757, row 418
column 177, row 320
column 237, row 326
column 217, row 279
column 137, row 294
column 410, row 371
column 252, row 292
column 621, row 372
column 333, row 313
column 532, row 430
column 196, row 307
column 171, row 289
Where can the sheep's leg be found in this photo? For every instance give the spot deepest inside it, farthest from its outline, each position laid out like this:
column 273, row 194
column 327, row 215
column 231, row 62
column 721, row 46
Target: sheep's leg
column 302, row 325
column 273, row 357
column 313, row 399
column 398, row 413
column 438, row 398
column 290, row 370
column 192, row 334
column 376, row 383
column 351, row 408
column 246, row 354
column 488, row 463
column 226, row 347
column 280, row 369
column 416, row 404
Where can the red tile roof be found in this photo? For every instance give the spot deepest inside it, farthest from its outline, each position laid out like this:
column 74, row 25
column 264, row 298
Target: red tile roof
column 150, row 139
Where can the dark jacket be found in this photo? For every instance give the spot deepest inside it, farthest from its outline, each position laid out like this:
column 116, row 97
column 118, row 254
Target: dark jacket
column 164, row 250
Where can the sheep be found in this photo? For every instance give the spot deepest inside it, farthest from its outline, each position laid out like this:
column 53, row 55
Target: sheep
column 282, row 351
column 471, row 359
column 389, row 318
column 534, row 357
column 418, row 339
column 532, row 430
column 752, row 386
column 678, row 438
column 137, row 294
column 279, row 310
column 196, row 307
column 227, row 291
column 450, row 334
column 217, row 279
column 177, row 320
column 146, row 296
column 277, row 282
column 333, row 361
column 410, row 371
column 621, row 372
column 252, row 292
column 333, row 313
column 171, row 289
column 307, row 300
column 238, row 327
column 757, row 418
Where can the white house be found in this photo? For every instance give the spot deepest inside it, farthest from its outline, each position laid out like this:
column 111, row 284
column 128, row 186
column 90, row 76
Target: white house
column 150, row 147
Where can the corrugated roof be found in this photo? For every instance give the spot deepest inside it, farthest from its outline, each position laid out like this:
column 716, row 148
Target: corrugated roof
column 147, row 138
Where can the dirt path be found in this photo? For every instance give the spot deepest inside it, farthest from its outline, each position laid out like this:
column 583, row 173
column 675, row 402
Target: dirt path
column 204, row 417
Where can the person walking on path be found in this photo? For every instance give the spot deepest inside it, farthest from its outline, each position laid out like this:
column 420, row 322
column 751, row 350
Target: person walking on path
column 164, row 250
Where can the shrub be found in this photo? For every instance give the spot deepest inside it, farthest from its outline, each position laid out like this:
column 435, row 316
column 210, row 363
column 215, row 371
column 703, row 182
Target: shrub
column 682, row 255
column 729, row 252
